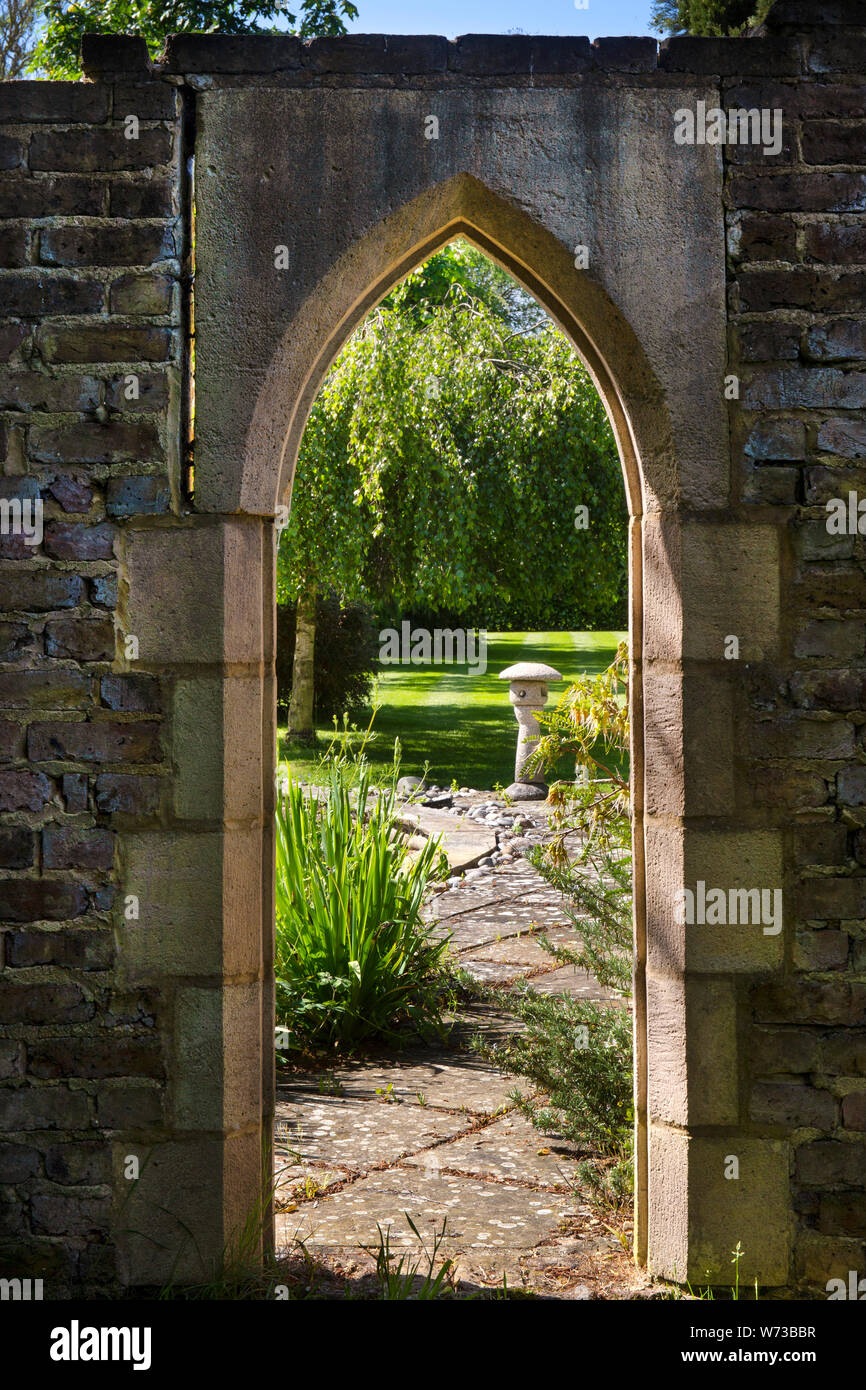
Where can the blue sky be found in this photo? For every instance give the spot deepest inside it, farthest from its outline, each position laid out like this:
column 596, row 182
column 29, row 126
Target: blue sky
column 453, row 17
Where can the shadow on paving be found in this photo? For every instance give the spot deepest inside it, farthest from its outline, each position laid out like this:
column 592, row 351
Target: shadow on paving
column 431, row 1134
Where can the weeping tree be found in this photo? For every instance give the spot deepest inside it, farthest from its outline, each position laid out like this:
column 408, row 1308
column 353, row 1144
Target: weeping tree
column 457, row 459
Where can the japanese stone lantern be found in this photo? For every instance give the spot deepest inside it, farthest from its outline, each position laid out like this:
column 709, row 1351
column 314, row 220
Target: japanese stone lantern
column 527, row 691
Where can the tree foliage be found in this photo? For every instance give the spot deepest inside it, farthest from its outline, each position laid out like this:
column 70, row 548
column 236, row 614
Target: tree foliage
column 708, row 17
column 17, row 36
column 445, row 456
column 59, row 49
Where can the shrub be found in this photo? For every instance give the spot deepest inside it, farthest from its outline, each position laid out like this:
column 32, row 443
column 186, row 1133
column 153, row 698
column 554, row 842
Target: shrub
column 354, row 959
column 579, row 1053
column 345, row 660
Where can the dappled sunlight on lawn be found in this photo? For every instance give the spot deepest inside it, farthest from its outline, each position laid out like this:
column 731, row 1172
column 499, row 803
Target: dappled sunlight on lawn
column 460, row 722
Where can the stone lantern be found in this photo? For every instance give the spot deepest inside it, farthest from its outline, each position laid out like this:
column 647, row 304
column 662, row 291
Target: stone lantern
column 527, row 691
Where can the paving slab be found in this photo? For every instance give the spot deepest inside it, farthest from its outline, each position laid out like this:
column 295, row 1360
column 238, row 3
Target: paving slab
column 478, row 1215
column 578, row 983
column 445, row 1081
column 360, row 1134
column 510, row 1148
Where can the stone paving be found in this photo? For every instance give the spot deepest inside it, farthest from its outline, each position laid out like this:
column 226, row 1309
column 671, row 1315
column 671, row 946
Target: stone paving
column 431, row 1133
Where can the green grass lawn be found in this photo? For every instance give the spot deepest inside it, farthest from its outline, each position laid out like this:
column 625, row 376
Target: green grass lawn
column 463, row 724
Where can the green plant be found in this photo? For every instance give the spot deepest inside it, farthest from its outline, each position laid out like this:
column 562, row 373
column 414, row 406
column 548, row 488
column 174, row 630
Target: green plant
column 401, row 1280
column 354, row 959
column 579, row 1053
column 58, row 52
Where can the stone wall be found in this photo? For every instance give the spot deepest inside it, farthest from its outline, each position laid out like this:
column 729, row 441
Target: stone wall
column 136, row 779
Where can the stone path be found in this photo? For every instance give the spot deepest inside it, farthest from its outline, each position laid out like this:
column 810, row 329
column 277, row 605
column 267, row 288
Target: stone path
column 432, row 1133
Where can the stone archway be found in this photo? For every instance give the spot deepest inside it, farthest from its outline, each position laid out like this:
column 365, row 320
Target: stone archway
column 265, row 340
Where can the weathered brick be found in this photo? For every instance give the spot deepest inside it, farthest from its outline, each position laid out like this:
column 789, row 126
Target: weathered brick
column 94, row 742
column 78, row 1163
column 82, row 639
column 149, row 101
column 37, row 391
column 825, row 1162
column 60, row 102
column 785, row 387
column 117, row 441
column 837, row 341
column 43, row 1107
column 11, row 738
column 141, row 294
column 768, row 341
column 829, row 898
column 851, row 785
column 103, row 591
column 24, row 791
column 844, row 1053
column 131, row 244
column 834, row 142
column 793, row 1105
column 844, row 437
column 16, row 848
column 105, row 343
column 18, row 1162
column 71, row 490
column 835, row 244
column 234, row 53
column 14, row 246
column 116, row 1054
column 37, row 295
column 152, row 388
column 76, row 541
column 68, row 195
column 831, row 637
column 74, row 949
column 787, row 789
column 56, row 1214
column 135, row 198
column 130, row 692
column 621, row 54
column 74, row 788
column 49, row 688
column 126, row 794
column 834, row 690
column 784, row 1050
column 90, row 151
column 793, row 737
column 771, row 486
column 797, row 1000
column 12, row 154
column 843, row 1213
column 44, row 900
column 802, row 288
column 12, row 335
column 767, row 238
column 67, row 847
column 144, row 494
column 854, row 1112
column 786, row 192
column 821, row 950
column 743, row 57
column 771, row 440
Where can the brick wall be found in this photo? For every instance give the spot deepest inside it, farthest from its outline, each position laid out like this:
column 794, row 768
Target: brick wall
column 797, row 334
column 90, row 246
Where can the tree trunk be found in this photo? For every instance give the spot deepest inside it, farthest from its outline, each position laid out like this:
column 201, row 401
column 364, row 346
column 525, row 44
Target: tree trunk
column 301, row 706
